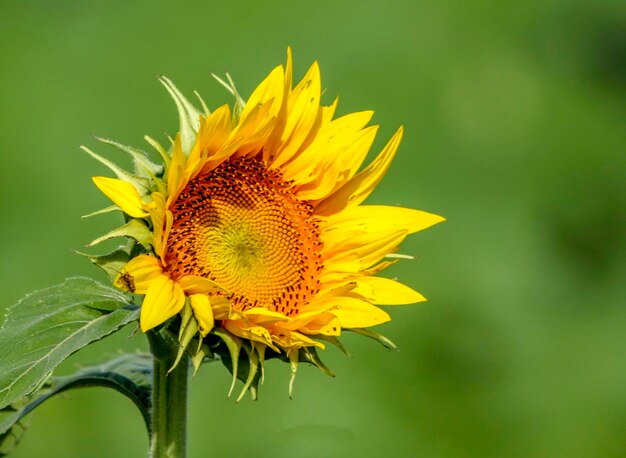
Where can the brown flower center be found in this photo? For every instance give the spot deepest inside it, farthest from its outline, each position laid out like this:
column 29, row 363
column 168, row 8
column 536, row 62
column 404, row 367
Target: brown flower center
column 242, row 226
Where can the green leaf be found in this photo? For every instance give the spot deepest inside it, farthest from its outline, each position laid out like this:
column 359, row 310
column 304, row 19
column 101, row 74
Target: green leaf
column 130, row 374
column 13, row 435
column 47, row 326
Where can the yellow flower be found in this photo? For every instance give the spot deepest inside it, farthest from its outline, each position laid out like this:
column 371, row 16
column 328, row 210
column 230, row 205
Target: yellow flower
column 256, row 220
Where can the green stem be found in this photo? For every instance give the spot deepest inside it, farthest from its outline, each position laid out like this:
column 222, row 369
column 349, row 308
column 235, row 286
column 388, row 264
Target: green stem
column 168, row 438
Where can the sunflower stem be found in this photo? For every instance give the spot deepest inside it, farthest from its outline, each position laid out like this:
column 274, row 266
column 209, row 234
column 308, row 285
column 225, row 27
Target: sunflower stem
column 168, row 435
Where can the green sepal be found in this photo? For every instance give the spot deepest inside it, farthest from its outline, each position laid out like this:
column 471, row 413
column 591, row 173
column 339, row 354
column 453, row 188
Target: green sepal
column 252, row 381
column 246, row 368
column 233, row 344
column 260, row 349
column 130, row 374
column 203, row 354
column 135, row 229
column 309, row 355
column 376, row 336
column 293, row 355
column 186, row 315
column 188, row 115
column 159, row 149
column 188, row 330
column 141, row 184
column 111, row 263
column 205, row 108
column 102, row 211
column 230, row 87
column 335, row 341
column 144, row 167
column 49, row 325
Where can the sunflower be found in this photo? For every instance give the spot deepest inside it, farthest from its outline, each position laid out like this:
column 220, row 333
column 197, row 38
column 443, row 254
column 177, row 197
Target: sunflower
column 254, row 229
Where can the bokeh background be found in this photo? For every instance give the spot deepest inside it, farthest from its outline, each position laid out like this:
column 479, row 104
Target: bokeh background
column 514, row 115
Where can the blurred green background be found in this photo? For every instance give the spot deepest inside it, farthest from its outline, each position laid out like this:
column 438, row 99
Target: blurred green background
column 514, row 115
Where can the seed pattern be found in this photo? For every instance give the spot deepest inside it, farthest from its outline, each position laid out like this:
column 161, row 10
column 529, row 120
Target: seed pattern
column 242, row 226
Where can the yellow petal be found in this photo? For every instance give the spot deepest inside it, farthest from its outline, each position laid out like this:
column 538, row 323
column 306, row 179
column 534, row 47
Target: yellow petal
column 176, row 179
column 340, row 160
column 123, row 194
column 355, row 313
column 361, row 251
column 271, row 88
column 327, row 291
column 246, row 331
column 201, row 305
column 329, row 142
column 213, row 134
column 362, row 184
column 259, row 115
column 193, row 284
column 378, row 218
column 384, row 291
column 164, row 299
column 250, row 136
column 216, row 129
column 302, row 319
column 333, row 279
column 142, row 270
column 263, row 316
column 222, row 307
column 162, row 220
column 303, row 109
column 323, row 181
column 288, row 70
column 326, row 324
column 329, row 111
column 360, row 144
column 293, row 340
column 316, row 320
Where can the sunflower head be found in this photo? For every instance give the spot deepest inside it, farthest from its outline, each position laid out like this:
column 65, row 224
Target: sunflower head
column 252, row 234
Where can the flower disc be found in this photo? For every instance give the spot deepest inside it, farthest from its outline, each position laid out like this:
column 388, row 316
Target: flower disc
column 241, row 226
